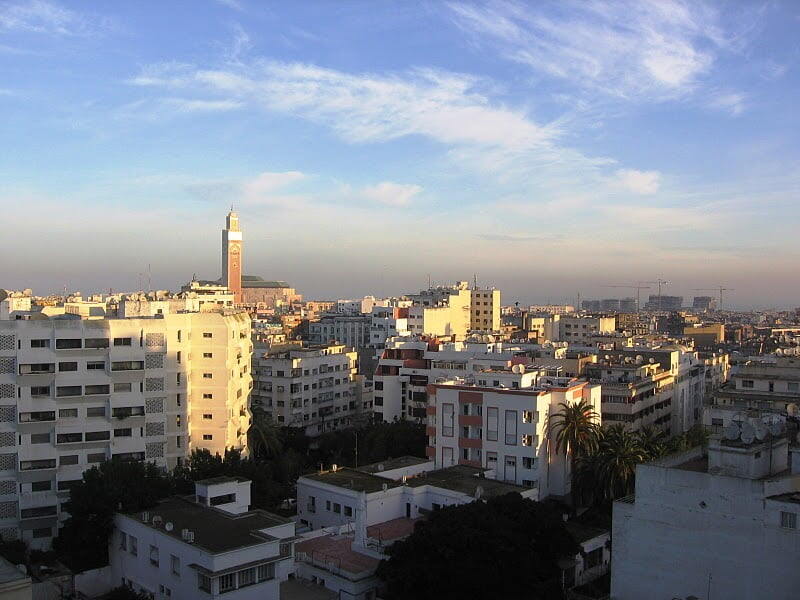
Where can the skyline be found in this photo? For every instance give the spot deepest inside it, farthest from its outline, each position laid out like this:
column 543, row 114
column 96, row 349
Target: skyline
column 363, row 153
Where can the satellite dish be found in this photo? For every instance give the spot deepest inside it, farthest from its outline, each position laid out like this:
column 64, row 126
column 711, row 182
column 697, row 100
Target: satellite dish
column 748, row 433
column 732, row 431
column 776, row 427
column 761, row 431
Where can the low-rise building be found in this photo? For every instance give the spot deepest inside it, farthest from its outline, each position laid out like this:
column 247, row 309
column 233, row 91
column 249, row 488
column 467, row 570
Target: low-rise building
column 715, row 524
column 352, row 331
column 205, row 546
column 580, row 328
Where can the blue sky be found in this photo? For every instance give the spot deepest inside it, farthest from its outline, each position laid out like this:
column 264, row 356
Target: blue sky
column 549, row 147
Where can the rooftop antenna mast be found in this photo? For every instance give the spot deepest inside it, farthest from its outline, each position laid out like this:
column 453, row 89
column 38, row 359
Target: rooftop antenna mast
column 149, row 278
column 660, row 282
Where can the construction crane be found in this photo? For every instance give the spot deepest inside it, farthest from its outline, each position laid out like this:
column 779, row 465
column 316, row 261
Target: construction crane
column 638, row 289
column 719, row 289
column 660, row 282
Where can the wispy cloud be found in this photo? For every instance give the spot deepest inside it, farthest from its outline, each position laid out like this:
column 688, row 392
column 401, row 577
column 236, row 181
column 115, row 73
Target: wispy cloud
column 391, row 194
column 639, row 182
column 629, row 48
column 39, row 16
column 233, row 4
column 730, row 102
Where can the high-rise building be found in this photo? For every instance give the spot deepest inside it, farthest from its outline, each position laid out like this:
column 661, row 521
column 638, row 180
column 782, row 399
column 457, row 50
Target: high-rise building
column 232, row 256
column 75, row 392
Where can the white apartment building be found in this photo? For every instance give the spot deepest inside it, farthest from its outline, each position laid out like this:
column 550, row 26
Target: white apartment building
column 351, row 331
column 360, row 306
column 757, row 387
column 581, row 327
column 76, row 392
column 13, row 303
column 718, row 525
column 387, row 322
column 207, row 546
column 315, row 387
column 498, row 422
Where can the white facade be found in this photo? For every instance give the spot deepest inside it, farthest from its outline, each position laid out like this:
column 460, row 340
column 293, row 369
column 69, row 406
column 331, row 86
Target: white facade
column 360, row 306
column 718, row 526
column 181, row 549
column 387, row 322
column 352, row 331
column 315, row 388
column 500, row 425
column 77, row 392
column 13, row 303
column 579, row 328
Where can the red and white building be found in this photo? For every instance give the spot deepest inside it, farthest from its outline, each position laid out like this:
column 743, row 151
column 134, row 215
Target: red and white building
column 498, row 421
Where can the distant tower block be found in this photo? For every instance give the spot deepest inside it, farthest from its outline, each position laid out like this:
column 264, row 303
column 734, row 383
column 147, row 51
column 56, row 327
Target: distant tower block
column 232, row 256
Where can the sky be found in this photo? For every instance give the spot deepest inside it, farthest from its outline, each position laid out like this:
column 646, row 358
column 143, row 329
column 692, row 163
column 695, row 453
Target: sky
column 548, row 148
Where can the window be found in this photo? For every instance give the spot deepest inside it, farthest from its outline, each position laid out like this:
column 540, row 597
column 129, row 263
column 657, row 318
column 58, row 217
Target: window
column 33, row 465
column 717, row 422
column 154, row 556
column 42, row 486
column 348, row 511
column 95, row 365
column 528, row 462
column 208, row 335
column 491, row 423
column 123, row 541
column 37, row 391
column 747, row 383
column 788, row 520
column 448, row 419
column 127, row 365
column 328, row 505
column 63, row 367
column 227, row 582
column 208, row 376
column 204, row 582
column 133, row 544
column 207, row 437
column 208, row 355
column 68, row 413
column 68, row 344
column 793, row 386
column 96, row 411
column 69, row 459
column 97, row 457
column 122, row 341
column 42, row 532
column 96, row 390
column 247, row 577
column 69, row 438
column 175, row 565
column 511, row 428
column 95, row 343
column 37, row 417
column 208, row 416
column 40, row 343
column 95, row 436
column 527, row 416
column 527, row 440
column 122, row 387
column 266, row 572
column 40, row 438
column 125, row 432
column 337, row 508
column 63, row 391
column 208, row 396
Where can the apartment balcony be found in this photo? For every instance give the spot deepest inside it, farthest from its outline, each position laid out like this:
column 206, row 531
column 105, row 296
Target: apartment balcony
column 37, row 499
column 126, row 445
column 470, row 442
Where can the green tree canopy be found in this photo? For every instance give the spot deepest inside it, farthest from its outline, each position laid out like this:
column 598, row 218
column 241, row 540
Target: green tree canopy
column 507, row 547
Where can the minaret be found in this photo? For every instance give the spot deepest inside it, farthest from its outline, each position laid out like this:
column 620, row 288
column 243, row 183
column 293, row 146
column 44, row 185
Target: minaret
column 232, row 256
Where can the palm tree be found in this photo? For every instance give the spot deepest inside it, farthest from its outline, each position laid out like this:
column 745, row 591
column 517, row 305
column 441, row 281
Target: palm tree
column 574, row 429
column 652, row 441
column 618, row 454
column 263, row 436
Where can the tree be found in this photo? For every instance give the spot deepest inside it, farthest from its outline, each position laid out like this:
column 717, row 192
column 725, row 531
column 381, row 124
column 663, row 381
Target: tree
column 574, row 428
column 619, row 451
column 115, row 485
column 264, row 437
column 507, row 547
column 652, row 441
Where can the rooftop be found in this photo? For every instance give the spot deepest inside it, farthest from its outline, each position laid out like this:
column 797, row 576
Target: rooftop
column 393, row 463
column 466, row 480
column 338, row 550
column 353, row 479
column 394, row 529
column 583, row 533
column 221, row 479
column 214, row 530
column 296, row 589
column 254, row 281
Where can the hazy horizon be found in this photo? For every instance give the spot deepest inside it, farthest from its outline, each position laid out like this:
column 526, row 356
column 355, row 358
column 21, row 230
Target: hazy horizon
column 551, row 148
